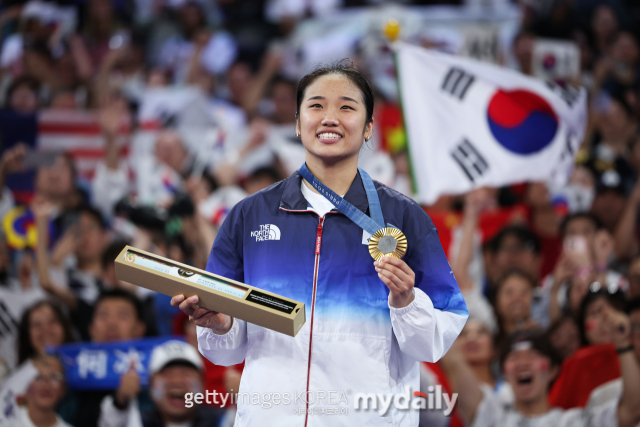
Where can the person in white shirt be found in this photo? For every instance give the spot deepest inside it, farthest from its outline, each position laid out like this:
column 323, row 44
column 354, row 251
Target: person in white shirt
column 42, row 396
column 530, row 364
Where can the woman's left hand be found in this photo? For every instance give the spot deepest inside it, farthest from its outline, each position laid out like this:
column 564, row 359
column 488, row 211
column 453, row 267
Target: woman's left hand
column 399, row 278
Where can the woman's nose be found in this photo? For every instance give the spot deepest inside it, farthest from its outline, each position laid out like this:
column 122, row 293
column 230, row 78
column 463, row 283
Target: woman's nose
column 330, row 119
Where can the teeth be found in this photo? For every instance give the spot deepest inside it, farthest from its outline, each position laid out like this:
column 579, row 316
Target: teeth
column 329, row 135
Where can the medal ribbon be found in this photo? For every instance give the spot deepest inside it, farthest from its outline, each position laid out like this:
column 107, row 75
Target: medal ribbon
column 369, row 224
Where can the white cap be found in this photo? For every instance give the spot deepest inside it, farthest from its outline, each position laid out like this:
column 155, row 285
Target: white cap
column 172, row 351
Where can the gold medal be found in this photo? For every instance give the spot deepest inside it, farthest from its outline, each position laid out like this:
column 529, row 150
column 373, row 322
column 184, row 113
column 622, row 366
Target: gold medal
column 388, row 241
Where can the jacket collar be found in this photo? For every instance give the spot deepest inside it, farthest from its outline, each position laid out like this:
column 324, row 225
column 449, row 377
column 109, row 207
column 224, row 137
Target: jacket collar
column 292, row 198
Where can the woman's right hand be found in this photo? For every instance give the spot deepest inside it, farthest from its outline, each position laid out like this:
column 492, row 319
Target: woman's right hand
column 219, row 323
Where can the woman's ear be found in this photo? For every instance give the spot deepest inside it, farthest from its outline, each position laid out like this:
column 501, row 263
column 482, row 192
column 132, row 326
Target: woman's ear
column 368, row 130
column 297, row 126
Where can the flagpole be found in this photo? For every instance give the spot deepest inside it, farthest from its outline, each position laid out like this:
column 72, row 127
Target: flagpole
column 391, row 30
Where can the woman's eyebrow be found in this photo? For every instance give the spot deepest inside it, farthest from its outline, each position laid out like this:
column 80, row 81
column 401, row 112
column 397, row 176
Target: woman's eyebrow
column 344, row 98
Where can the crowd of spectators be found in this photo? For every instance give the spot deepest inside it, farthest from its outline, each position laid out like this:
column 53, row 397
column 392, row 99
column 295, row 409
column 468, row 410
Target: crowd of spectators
column 192, row 104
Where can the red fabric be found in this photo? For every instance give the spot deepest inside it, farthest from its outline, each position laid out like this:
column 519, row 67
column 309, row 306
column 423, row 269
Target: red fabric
column 389, row 121
column 490, row 223
column 586, row 369
column 455, row 420
column 551, row 249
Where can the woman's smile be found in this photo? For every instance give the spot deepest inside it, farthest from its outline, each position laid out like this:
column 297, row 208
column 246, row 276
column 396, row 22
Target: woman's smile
column 329, row 137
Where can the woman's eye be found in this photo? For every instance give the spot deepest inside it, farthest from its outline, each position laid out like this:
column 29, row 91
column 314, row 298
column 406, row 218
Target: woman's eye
column 315, row 105
column 347, row 107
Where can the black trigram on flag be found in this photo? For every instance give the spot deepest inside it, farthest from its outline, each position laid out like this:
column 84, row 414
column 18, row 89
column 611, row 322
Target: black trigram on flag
column 568, row 94
column 8, row 325
column 470, row 160
column 457, row 82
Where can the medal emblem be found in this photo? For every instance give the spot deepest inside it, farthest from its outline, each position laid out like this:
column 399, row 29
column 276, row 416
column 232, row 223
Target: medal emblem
column 388, row 241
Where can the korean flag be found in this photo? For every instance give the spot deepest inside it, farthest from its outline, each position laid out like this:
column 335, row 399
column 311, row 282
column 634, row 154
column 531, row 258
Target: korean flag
column 471, row 124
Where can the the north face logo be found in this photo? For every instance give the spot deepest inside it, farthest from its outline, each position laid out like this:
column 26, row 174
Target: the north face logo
column 266, row 232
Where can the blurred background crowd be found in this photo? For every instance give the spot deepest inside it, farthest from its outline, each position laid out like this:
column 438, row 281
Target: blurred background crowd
column 143, row 122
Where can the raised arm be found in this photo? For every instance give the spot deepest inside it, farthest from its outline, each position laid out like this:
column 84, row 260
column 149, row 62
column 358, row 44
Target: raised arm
column 629, row 405
column 464, row 382
column 41, row 210
column 462, row 260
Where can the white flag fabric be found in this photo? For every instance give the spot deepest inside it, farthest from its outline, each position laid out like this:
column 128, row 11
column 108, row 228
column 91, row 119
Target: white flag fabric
column 14, row 387
column 471, row 124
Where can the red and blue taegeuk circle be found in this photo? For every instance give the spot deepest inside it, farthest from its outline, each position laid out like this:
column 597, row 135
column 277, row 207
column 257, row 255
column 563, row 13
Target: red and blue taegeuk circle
column 521, row 121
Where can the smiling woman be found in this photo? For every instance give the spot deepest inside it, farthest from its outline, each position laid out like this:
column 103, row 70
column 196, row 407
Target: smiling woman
column 368, row 324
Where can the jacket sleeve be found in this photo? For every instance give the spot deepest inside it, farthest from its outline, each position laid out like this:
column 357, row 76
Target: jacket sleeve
column 426, row 328
column 225, row 350
column 226, row 260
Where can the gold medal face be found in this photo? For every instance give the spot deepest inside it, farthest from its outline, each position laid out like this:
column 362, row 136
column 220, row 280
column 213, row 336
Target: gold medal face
column 388, row 241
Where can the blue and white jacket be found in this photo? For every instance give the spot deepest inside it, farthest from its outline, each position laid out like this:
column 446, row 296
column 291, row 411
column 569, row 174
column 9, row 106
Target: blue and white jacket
column 353, row 341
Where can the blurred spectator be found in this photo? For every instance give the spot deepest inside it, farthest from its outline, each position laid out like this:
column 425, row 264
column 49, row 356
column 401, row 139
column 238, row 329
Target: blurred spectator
column 77, row 285
column 523, row 51
column 101, row 30
column 38, row 406
column 564, row 336
column 530, row 364
column 479, row 349
column 221, row 379
column 513, row 301
column 592, row 319
column 604, row 26
column 219, row 48
column 586, row 253
column 43, row 325
column 23, row 95
column 18, row 292
column 612, row 390
column 176, row 372
column 515, row 247
column 261, row 179
column 117, row 315
column 598, row 354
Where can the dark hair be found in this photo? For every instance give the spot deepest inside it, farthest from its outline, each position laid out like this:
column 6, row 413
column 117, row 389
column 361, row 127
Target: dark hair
column 539, row 342
column 25, row 347
column 94, row 213
column 553, row 328
column 113, row 250
column 615, row 300
column 266, row 172
column 579, row 215
column 520, row 232
column 347, row 69
column 125, row 295
column 518, row 273
column 282, row 80
column 32, row 83
column 632, row 305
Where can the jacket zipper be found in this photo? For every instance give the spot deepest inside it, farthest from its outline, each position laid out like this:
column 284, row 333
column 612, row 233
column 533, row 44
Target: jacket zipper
column 313, row 307
column 313, row 299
